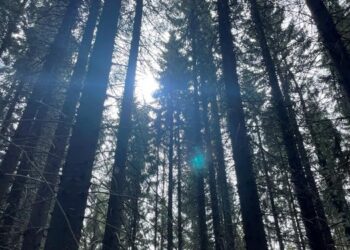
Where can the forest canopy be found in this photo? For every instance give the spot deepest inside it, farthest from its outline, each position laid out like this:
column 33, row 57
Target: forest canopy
column 183, row 124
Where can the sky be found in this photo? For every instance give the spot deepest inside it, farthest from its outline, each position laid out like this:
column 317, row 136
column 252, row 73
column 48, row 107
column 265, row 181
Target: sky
column 146, row 85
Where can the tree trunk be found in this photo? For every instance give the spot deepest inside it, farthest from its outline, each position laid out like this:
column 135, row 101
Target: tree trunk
column 68, row 214
column 45, row 194
column 155, row 239
column 300, row 182
column 218, row 236
column 170, row 118
column 247, row 190
column 135, row 195
column 269, row 186
column 299, row 241
column 179, row 186
column 156, row 212
column 115, row 204
column 196, row 153
column 322, row 219
column 332, row 41
column 223, row 186
column 42, row 93
column 334, row 185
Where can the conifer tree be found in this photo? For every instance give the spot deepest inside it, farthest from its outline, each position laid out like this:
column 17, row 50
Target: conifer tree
column 251, row 214
column 68, row 213
column 115, row 204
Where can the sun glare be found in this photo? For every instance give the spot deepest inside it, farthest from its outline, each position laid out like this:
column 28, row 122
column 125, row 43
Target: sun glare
column 146, row 85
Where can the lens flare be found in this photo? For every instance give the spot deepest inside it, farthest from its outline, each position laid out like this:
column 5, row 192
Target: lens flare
column 198, row 161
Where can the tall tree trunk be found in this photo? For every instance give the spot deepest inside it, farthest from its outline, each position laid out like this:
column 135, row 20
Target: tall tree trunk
column 179, row 185
column 29, row 171
column 68, row 214
column 222, row 176
column 170, row 121
column 45, row 194
column 163, row 205
column 300, row 182
column 218, row 152
column 42, row 93
column 334, row 185
column 251, row 214
column 269, row 185
column 299, row 239
column 156, row 212
column 332, row 41
column 135, row 196
column 218, row 236
column 115, row 204
column 322, row 219
column 206, row 88
column 221, row 168
column 196, row 145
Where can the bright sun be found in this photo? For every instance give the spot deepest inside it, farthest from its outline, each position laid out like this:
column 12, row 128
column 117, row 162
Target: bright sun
column 146, row 85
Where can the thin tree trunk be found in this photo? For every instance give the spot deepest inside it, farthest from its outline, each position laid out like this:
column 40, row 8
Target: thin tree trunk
column 155, row 239
column 68, row 214
column 221, row 168
column 290, row 198
column 218, row 236
column 322, row 219
column 269, row 185
column 221, row 173
column 294, row 217
column 135, row 205
column 170, row 121
column 158, row 141
column 300, row 182
column 45, row 194
column 179, row 186
column 251, row 214
column 332, row 41
column 115, row 204
column 337, row 193
column 196, row 153
column 163, row 217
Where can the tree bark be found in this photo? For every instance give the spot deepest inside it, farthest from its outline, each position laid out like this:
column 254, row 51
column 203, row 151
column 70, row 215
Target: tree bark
column 329, row 173
column 170, row 121
column 45, row 194
column 302, row 190
column 115, row 204
column 269, row 186
column 196, row 143
column 332, row 41
column 251, row 214
column 42, row 93
column 218, row 236
column 68, row 213
column 322, row 219
column 179, row 186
